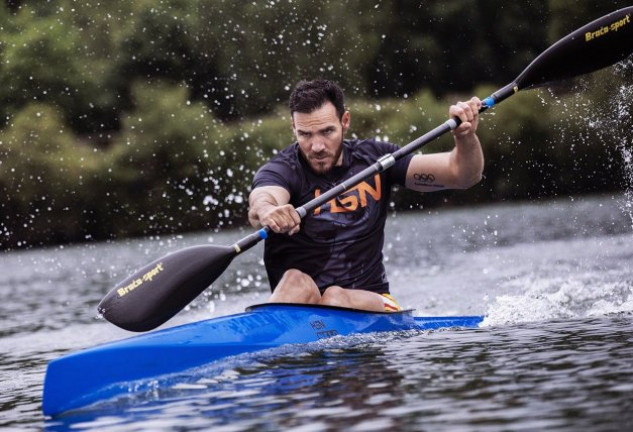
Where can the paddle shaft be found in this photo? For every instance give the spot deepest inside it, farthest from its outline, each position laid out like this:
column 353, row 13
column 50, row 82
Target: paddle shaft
column 382, row 164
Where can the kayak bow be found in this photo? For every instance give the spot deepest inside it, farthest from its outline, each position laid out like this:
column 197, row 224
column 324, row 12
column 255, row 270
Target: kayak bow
column 107, row 370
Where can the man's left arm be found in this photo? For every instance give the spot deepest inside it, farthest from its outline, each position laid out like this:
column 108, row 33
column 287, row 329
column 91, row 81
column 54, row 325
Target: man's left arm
column 460, row 168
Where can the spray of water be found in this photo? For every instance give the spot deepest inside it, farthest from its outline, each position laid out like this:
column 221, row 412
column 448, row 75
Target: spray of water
column 603, row 105
column 618, row 115
column 561, row 298
column 624, row 120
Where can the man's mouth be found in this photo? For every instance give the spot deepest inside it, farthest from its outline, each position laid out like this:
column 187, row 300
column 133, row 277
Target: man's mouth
column 320, row 157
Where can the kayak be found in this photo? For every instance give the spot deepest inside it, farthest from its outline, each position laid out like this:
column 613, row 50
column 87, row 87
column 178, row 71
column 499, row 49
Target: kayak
column 109, row 370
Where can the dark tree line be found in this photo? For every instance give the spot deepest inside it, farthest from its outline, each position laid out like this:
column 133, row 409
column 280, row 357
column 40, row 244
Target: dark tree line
column 129, row 118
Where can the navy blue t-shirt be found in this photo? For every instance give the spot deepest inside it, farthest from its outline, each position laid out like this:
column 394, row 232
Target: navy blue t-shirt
column 340, row 243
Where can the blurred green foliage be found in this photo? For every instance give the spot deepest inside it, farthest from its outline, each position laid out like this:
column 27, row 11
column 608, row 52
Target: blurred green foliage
column 132, row 118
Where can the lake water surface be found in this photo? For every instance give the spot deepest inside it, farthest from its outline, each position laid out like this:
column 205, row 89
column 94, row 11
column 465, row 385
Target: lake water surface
column 554, row 279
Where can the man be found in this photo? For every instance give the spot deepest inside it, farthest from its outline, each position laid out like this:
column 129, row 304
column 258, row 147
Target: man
column 334, row 255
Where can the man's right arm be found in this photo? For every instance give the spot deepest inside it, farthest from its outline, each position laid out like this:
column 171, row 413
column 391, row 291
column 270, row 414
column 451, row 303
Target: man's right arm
column 269, row 206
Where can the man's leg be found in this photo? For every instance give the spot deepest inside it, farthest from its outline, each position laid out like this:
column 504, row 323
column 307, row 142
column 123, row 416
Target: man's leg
column 296, row 287
column 353, row 298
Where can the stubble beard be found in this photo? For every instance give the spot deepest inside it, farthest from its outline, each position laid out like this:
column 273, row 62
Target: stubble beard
column 321, row 165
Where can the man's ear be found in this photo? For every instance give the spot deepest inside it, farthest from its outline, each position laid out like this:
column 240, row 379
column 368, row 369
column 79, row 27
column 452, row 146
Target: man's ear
column 345, row 120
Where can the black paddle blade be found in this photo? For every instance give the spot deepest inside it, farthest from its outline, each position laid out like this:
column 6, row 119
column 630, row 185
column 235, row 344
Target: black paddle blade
column 160, row 290
column 594, row 46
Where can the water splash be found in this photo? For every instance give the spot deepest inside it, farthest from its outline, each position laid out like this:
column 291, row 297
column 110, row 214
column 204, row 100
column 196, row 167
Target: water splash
column 618, row 115
column 624, row 119
column 602, row 104
column 551, row 299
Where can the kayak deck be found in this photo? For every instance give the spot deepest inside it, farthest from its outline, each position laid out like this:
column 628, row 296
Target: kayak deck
column 105, row 371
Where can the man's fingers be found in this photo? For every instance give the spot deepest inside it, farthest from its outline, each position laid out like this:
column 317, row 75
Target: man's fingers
column 467, row 112
column 284, row 219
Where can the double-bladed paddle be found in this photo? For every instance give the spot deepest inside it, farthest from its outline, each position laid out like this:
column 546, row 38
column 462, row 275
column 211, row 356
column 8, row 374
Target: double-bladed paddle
column 158, row 291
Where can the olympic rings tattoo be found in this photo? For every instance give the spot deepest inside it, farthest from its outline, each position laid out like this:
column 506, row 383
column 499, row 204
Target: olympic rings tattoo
column 425, row 180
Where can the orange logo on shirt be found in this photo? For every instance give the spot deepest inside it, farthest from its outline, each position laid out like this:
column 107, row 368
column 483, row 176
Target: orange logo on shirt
column 353, row 198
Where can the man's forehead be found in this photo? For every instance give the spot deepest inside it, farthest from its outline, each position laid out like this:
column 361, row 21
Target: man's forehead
column 322, row 117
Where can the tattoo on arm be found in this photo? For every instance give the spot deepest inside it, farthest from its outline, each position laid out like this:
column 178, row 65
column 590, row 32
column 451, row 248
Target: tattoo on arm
column 425, row 179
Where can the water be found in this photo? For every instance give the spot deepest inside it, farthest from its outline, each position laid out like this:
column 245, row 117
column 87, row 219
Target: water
column 554, row 279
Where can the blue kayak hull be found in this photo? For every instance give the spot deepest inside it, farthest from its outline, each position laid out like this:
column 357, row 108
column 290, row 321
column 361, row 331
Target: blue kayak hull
column 106, row 371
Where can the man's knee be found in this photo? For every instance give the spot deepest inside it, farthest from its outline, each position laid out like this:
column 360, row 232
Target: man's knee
column 296, row 286
column 334, row 296
column 296, row 278
column 356, row 299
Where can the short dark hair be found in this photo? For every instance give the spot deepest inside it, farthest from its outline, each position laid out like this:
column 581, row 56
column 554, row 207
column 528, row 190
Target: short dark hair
column 309, row 96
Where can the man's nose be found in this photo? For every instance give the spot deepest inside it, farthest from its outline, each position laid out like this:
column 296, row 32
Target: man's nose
column 317, row 145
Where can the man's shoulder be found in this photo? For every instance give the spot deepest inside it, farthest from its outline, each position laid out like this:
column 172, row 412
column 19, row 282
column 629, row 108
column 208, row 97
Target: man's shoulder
column 368, row 151
column 370, row 147
column 280, row 170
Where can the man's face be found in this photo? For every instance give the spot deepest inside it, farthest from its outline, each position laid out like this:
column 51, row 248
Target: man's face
column 320, row 136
